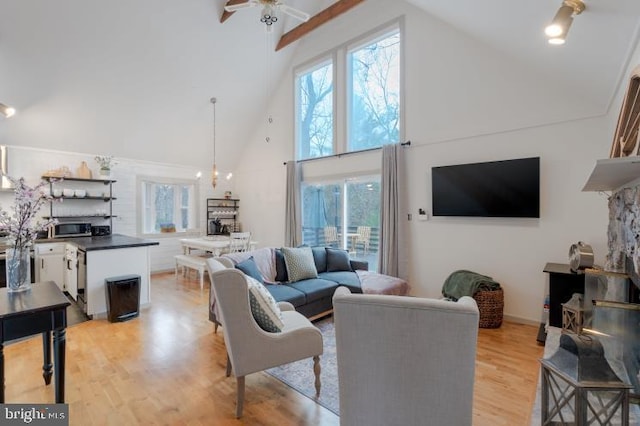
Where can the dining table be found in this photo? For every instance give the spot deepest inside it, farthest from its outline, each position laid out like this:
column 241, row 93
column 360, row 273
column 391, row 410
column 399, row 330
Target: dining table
column 217, row 245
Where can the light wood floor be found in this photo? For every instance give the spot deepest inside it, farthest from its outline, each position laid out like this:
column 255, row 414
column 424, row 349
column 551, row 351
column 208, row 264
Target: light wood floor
column 168, row 368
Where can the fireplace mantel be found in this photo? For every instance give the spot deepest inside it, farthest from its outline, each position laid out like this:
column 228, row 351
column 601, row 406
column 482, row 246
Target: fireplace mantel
column 612, row 174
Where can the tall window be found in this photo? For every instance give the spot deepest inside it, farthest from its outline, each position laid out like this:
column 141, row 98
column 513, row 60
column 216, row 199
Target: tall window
column 374, row 93
column 314, row 111
column 167, row 206
column 350, row 99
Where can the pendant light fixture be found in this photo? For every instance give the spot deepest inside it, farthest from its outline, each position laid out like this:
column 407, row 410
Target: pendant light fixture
column 214, row 172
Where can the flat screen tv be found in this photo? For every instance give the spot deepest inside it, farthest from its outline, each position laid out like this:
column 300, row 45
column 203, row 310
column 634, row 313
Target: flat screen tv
column 509, row 188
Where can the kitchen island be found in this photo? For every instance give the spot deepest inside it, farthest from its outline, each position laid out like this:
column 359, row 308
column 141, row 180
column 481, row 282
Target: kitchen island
column 103, row 257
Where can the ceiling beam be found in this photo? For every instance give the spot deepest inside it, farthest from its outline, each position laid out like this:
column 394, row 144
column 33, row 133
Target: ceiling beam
column 225, row 14
column 322, row 17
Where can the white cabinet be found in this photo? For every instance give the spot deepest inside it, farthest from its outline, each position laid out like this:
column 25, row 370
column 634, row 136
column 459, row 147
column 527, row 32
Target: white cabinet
column 49, row 258
column 71, row 270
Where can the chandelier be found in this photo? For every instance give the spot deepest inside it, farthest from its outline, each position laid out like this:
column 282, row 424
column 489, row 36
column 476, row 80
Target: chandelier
column 214, row 172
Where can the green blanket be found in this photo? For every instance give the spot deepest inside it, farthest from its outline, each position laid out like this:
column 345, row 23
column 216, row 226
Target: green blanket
column 466, row 283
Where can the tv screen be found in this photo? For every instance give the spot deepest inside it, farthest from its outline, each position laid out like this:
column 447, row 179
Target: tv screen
column 509, row 188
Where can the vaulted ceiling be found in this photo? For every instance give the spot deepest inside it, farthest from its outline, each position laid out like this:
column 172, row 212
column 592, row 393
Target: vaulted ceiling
column 112, row 72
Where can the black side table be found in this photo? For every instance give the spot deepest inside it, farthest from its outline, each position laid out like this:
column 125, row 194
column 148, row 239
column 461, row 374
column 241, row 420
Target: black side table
column 43, row 309
column 563, row 282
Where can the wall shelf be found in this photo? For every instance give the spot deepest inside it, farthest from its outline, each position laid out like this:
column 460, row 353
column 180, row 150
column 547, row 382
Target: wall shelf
column 88, row 207
column 225, row 210
column 611, row 174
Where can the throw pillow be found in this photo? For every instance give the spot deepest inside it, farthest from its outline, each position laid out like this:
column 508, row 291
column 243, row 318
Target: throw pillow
column 264, row 308
column 320, row 258
column 300, row 263
column 250, row 269
column 281, row 267
column 337, row 260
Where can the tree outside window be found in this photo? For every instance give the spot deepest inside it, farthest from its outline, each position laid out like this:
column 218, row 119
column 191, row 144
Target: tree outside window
column 315, row 112
column 168, row 206
column 375, row 93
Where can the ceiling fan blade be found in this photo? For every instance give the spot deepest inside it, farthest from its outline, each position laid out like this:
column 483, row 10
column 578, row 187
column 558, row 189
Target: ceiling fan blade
column 291, row 11
column 238, row 6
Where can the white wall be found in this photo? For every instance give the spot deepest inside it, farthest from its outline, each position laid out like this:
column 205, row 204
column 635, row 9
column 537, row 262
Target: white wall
column 464, row 103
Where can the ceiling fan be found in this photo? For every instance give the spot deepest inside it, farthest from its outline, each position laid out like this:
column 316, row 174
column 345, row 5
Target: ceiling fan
column 268, row 16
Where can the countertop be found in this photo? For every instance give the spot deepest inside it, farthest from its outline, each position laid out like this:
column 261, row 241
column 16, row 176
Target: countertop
column 107, row 242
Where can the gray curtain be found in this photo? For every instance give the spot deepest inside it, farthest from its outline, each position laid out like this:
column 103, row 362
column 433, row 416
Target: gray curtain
column 390, row 210
column 293, row 222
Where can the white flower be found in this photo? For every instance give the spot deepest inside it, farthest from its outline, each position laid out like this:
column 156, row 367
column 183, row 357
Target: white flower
column 21, row 225
column 105, row 161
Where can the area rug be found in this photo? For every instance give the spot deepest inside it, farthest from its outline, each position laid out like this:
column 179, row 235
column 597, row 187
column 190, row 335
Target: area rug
column 299, row 375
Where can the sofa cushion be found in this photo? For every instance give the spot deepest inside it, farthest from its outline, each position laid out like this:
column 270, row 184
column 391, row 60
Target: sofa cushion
column 263, row 307
column 345, row 278
column 300, row 263
column 337, row 260
column 320, row 258
column 264, row 258
column 283, row 293
column 250, row 268
column 281, row 267
column 314, row 288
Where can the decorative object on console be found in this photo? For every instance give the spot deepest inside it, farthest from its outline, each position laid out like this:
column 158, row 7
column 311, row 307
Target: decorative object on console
column 580, row 387
column 580, row 256
column 22, row 228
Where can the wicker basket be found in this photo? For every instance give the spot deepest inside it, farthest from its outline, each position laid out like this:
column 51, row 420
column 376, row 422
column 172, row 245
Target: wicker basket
column 490, row 305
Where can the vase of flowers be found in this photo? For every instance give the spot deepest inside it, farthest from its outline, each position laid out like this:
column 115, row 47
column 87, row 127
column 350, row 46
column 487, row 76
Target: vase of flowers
column 22, row 228
column 105, row 162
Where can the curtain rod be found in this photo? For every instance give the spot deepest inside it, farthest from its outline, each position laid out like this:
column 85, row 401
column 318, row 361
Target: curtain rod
column 407, row 143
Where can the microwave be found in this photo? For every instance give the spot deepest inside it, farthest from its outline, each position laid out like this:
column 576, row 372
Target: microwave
column 77, row 229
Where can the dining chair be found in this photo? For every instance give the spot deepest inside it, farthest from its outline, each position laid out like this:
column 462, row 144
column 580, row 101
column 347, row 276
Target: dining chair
column 239, row 242
column 364, row 236
column 330, row 235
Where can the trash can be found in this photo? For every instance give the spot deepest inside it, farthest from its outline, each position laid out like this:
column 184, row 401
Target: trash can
column 123, row 297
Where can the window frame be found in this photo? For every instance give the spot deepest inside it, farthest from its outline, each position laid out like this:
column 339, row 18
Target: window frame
column 341, row 103
column 309, row 67
column 144, row 204
column 364, row 41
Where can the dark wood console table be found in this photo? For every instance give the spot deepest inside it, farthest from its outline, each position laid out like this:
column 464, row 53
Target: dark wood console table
column 43, row 309
column 563, row 282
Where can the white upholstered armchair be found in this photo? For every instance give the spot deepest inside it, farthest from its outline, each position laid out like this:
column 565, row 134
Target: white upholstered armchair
column 251, row 349
column 405, row 360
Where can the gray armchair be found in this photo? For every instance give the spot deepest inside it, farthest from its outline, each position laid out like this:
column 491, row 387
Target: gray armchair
column 251, row 349
column 405, row 360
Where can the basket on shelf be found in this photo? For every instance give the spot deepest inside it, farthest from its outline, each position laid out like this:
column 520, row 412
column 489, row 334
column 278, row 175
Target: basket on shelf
column 490, row 304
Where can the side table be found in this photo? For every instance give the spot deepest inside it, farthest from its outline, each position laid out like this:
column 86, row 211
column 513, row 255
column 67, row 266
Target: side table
column 43, row 309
